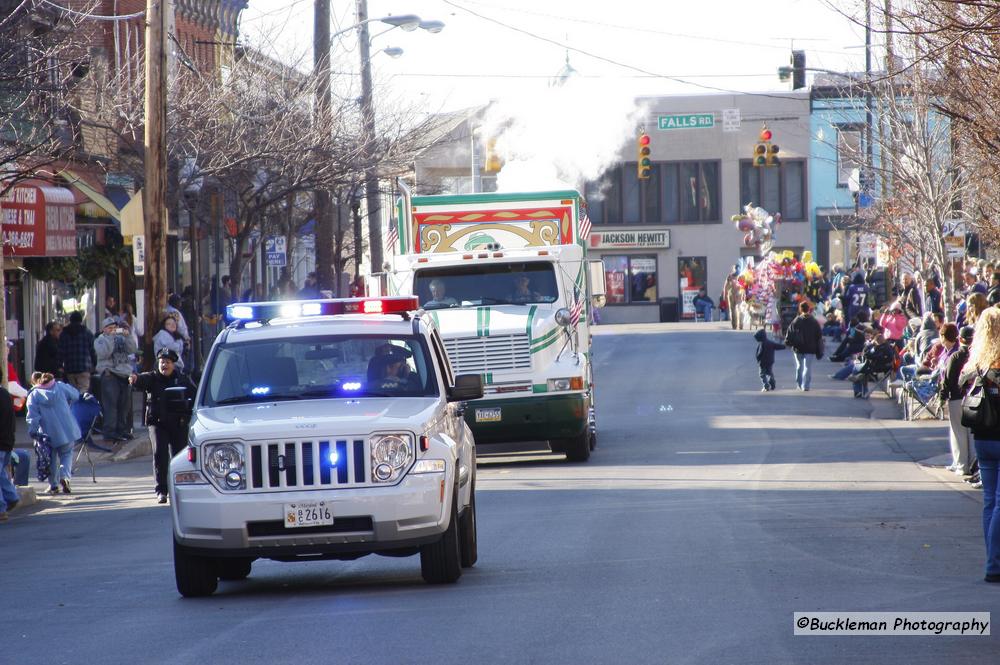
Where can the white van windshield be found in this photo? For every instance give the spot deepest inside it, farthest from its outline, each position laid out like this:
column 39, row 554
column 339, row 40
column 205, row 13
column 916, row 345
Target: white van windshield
column 478, row 284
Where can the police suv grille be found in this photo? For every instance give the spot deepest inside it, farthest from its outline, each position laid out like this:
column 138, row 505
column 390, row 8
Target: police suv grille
column 281, row 465
column 476, row 355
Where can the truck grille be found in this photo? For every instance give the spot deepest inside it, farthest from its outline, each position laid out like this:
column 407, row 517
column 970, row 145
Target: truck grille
column 477, row 355
column 281, row 465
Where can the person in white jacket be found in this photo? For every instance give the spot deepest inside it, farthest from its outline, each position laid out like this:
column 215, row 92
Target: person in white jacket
column 169, row 337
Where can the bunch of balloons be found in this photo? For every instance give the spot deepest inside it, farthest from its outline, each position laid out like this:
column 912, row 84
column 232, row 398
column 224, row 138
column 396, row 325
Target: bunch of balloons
column 758, row 227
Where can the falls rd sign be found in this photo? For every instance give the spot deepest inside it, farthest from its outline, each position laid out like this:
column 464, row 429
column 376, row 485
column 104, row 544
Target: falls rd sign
column 686, row 121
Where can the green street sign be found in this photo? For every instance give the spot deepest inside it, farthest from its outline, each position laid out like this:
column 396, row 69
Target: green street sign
column 686, row 121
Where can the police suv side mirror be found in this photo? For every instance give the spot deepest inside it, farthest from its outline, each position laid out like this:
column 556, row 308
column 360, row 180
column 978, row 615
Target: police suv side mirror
column 177, row 401
column 467, row 386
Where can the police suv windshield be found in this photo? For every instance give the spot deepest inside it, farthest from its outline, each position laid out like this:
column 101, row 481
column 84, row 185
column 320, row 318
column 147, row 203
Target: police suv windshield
column 478, row 284
column 319, row 367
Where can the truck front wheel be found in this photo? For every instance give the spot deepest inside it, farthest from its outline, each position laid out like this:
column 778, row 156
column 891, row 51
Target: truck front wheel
column 441, row 561
column 195, row 575
column 577, row 448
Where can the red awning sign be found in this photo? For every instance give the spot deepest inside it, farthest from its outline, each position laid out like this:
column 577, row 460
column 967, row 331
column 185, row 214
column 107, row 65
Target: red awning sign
column 38, row 220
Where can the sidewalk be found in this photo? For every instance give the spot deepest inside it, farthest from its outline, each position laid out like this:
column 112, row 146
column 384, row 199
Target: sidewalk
column 32, row 496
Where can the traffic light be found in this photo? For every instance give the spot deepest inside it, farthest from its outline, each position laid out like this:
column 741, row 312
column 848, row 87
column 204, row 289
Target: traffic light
column 772, row 155
column 765, row 153
column 644, row 165
column 493, row 163
column 798, row 69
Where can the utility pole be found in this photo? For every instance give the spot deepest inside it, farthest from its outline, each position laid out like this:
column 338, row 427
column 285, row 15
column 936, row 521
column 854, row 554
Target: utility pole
column 368, row 153
column 869, row 148
column 155, row 188
column 324, row 101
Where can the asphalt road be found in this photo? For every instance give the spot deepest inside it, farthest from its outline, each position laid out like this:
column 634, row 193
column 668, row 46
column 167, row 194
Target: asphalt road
column 708, row 515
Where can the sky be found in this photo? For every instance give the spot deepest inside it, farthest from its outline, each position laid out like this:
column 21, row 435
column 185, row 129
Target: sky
column 507, row 51
column 649, row 47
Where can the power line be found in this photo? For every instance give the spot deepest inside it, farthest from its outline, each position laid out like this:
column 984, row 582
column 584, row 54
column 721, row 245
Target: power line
column 652, row 31
column 602, row 58
column 96, row 17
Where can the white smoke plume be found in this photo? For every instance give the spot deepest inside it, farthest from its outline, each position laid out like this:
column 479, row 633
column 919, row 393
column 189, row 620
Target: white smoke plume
column 564, row 137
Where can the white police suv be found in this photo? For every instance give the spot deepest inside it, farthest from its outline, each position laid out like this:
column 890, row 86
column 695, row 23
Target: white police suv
column 325, row 429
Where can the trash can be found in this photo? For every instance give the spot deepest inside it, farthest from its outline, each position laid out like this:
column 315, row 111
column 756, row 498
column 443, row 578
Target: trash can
column 668, row 310
column 23, row 467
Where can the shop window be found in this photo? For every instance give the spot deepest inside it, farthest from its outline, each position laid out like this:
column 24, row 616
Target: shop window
column 848, row 152
column 630, row 279
column 781, row 189
column 676, row 193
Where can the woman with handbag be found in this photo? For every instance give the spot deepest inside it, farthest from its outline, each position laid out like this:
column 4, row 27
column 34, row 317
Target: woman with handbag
column 981, row 413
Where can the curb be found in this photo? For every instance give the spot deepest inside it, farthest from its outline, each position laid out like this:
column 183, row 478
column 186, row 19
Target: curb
column 138, row 447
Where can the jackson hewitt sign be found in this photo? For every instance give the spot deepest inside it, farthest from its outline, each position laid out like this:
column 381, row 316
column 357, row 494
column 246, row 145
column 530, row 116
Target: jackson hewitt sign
column 630, row 240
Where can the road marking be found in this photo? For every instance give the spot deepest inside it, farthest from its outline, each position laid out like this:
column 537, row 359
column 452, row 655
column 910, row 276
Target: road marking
column 707, row 452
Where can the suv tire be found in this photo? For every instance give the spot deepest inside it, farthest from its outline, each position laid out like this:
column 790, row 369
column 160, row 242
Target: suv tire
column 233, row 570
column 469, row 539
column 195, row 575
column 441, row 561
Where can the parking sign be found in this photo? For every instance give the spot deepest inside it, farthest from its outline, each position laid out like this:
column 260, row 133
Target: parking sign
column 275, row 250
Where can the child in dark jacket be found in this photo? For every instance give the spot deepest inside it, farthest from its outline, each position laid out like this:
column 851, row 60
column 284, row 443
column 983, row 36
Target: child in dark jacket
column 765, row 358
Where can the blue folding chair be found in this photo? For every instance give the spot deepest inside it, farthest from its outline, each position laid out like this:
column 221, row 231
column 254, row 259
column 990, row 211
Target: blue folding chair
column 86, row 411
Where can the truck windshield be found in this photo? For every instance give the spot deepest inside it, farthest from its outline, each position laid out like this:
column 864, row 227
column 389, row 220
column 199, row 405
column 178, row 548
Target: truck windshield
column 319, row 367
column 479, row 284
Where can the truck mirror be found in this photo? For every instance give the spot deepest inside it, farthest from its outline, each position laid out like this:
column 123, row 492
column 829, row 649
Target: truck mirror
column 177, row 401
column 467, row 386
column 597, row 287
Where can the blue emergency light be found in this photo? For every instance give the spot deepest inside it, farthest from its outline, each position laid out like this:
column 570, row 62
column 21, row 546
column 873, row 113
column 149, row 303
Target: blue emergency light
column 265, row 311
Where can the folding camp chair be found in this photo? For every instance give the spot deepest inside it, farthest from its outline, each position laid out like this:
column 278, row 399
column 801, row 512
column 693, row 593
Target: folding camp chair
column 86, row 411
column 920, row 398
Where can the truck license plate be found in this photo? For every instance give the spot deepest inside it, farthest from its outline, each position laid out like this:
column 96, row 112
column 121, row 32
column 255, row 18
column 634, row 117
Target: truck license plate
column 307, row 513
column 488, row 415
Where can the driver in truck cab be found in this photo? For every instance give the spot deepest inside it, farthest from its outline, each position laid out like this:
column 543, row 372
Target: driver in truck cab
column 522, row 291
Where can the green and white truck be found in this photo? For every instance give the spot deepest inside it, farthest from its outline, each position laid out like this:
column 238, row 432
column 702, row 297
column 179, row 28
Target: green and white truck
column 507, row 279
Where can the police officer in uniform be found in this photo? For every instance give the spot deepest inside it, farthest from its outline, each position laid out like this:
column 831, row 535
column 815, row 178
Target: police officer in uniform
column 167, row 431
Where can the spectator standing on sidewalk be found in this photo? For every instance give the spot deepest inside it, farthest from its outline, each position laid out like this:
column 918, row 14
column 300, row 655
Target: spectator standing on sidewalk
column 49, row 417
column 952, row 392
column 993, row 295
column 805, row 337
column 984, row 360
column 47, row 350
column 168, row 337
column 76, row 352
column 932, row 298
column 115, row 351
column 168, row 432
column 856, row 298
column 8, row 493
column 910, row 299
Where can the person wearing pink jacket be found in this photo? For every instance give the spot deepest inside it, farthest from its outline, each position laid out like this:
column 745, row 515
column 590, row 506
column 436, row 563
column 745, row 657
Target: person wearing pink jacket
column 893, row 323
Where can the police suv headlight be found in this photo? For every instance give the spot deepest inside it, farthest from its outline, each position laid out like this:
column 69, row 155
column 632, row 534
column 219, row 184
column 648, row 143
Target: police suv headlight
column 391, row 454
column 222, row 459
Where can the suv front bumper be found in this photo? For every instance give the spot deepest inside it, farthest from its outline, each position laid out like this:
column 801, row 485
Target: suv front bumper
column 371, row 519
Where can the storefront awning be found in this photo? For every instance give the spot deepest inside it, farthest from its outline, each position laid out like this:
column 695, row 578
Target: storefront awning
column 38, row 219
column 96, row 205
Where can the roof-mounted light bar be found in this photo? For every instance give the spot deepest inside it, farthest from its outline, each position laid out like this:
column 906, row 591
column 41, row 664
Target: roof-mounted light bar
column 265, row 311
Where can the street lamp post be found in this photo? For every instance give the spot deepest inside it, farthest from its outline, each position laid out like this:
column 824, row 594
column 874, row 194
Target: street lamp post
column 368, row 154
